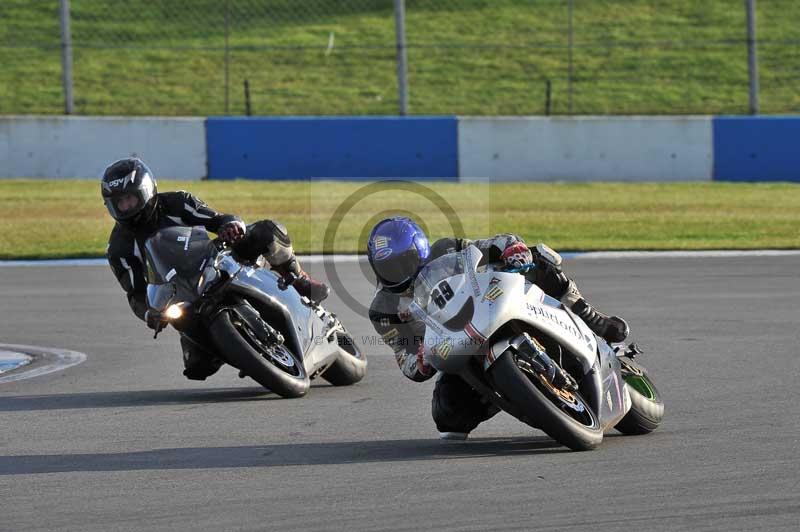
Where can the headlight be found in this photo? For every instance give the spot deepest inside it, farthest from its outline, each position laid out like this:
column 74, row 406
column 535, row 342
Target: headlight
column 173, row 311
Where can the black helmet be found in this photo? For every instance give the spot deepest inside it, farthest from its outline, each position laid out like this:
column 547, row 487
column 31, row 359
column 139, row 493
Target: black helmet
column 129, row 191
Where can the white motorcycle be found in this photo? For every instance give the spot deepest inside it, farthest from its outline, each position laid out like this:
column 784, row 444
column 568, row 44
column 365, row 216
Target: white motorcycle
column 528, row 354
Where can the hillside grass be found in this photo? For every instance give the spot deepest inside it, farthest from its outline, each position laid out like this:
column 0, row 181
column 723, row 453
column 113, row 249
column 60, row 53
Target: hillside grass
column 66, row 218
column 470, row 57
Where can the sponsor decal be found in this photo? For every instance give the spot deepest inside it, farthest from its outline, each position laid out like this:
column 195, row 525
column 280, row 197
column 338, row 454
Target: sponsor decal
column 494, row 281
column 130, row 178
column 473, row 281
column 185, row 240
column 381, row 244
column 402, row 357
column 420, row 314
column 390, row 335
column 383, row 253
column 554, row 318
column 492, row 293
column 443, row 349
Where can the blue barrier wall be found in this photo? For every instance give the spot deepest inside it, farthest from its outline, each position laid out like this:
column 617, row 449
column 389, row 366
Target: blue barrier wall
column 756, row 148
column 333, row 148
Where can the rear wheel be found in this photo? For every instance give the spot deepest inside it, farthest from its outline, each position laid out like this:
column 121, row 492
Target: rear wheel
column 647, row 406
column 563, row 414
column 273, row 366
column 351, row 365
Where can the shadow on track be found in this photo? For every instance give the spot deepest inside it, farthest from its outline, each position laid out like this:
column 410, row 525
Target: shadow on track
column 68, row 401
column 300, row 454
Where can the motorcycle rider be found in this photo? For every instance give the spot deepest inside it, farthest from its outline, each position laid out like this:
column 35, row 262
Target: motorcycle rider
column 398, row 248
column 130, row 194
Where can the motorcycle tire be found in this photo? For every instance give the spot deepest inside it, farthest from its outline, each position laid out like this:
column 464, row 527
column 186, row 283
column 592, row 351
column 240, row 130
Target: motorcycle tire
column 567, row 419
column 647, row 406
column 277, row 369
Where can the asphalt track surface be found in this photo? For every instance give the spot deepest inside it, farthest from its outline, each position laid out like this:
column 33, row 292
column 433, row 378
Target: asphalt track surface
column 123, row 442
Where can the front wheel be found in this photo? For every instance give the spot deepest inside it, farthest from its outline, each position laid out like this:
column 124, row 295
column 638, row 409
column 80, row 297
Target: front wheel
column 274, row 367
column 647, row 406
column 564, row 415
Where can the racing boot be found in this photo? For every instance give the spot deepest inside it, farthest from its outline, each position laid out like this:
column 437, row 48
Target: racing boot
column 293, row 275
column 612, row 329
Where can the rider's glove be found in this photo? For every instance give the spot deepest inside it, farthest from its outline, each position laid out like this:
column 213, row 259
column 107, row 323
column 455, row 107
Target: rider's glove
column 422, row 367
column 232, row 232
column 153, row 320
column 517, row 256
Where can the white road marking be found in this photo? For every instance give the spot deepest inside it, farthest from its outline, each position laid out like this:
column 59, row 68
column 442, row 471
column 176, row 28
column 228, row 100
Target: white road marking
column 54, row 359
column 11, row 360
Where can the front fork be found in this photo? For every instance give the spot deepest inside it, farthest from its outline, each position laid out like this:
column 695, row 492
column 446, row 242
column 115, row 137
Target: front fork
column 531, row 358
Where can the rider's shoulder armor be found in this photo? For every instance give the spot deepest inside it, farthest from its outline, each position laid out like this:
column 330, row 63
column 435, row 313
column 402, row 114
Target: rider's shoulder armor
column 443, row 246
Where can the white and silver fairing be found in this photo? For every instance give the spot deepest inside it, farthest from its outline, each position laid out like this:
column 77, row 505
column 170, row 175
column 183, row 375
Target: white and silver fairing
column 466, row 308
column 443, row 302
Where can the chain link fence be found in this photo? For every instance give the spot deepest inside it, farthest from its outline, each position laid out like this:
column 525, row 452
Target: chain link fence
column 329, row 57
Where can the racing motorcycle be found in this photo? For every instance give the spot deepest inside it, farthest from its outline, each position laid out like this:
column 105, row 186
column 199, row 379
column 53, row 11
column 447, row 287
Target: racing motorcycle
column 528, row 354
column 246, row 315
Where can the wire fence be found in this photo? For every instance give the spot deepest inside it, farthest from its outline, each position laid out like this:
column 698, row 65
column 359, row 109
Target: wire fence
column 331, row 57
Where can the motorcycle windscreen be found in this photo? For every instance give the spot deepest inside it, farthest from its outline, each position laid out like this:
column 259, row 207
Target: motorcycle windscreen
column 177, row 251
column 445, row 266
column 159, row 296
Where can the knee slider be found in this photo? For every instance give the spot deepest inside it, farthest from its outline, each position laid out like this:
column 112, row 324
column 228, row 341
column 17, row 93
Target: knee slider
column 278, row 231
column 275, row 239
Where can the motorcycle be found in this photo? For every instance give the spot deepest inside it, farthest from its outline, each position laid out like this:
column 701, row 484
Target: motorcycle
column 529, row 355
column 246, row 315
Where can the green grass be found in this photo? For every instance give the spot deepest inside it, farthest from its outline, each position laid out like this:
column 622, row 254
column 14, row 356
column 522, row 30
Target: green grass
column 475, row 57
column 66, row 218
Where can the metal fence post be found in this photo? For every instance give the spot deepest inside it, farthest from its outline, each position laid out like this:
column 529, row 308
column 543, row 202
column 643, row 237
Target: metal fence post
column 66, row 56
column 402, row 57
column 752, row 57
column 570, row 42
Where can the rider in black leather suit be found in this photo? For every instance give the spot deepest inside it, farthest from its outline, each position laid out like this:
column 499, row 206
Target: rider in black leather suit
column 131, row 197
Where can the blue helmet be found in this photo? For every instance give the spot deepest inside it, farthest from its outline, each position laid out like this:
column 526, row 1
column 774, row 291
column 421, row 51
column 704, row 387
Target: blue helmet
column 397, row 248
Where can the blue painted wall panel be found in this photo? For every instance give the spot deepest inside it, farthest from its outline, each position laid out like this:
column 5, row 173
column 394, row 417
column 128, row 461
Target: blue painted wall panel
column 756, row 148
column 332, row 148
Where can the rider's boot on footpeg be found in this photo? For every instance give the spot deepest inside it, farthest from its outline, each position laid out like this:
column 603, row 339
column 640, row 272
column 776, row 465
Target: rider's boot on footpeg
column 611, row 328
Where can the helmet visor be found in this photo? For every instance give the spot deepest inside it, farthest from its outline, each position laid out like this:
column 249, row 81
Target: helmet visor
column 129, row 200
column 397, row 270
column 124, row 206
column 127, row 203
